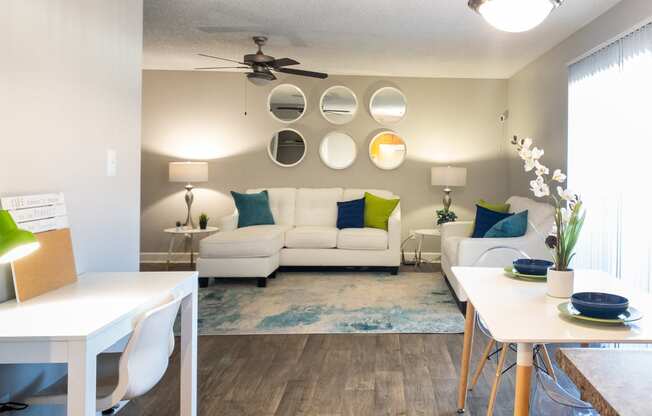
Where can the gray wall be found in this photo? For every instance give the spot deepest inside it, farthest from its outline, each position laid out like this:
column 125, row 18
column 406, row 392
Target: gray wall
column 200, row 115
column 71, row 89
column 538, row 95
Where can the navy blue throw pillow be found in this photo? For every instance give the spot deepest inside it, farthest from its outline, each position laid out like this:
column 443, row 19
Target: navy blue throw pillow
column 253, row 209
column 350, row 214
column 485, row 219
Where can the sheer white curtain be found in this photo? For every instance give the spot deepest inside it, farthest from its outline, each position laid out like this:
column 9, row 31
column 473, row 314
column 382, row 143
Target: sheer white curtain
column 610, row 158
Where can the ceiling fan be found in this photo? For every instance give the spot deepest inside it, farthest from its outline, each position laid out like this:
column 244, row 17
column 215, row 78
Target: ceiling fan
column 263, row 65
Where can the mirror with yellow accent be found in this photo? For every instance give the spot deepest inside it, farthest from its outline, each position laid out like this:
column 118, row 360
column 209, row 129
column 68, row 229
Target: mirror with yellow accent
column 387, row 150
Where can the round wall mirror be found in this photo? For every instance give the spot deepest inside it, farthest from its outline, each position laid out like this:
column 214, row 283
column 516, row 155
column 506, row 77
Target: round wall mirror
column 388, row 105
column 337, row 150
column 287, row 148
column 387, row 150
column 286, row 103
column 338, row 105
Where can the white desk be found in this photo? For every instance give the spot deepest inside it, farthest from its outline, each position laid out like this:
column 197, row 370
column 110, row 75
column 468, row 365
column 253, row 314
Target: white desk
column 521, row 312
column 75, row 323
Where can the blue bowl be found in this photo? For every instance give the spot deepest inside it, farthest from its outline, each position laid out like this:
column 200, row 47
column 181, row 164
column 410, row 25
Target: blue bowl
column 599, row 305
column 532, row 267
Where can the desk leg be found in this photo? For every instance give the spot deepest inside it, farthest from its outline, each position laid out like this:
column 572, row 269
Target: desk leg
column 189, row 353
column 469, row 327
column 81, row 380
column 523, row 379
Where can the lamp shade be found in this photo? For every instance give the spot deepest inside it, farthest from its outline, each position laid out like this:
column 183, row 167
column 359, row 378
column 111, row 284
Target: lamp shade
column 14, row 242
column 448, row 176
column 188, row 172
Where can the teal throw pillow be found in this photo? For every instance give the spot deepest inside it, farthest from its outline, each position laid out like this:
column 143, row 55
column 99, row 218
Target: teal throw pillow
column 513, row 226
column 253, row 209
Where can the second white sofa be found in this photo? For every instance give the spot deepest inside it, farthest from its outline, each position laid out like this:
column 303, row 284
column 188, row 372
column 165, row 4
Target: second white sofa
column 304, row 234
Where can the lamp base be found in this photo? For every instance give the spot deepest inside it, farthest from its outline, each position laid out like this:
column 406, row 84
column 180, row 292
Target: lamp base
column 189, row 199
column 447, row 199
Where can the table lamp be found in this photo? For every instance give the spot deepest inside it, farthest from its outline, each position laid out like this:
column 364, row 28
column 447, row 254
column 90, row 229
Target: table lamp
column 189, row 173
column 14, row 242
column 448, row 177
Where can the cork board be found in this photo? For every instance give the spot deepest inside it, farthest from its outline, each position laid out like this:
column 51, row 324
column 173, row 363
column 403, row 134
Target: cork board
column 48, row 268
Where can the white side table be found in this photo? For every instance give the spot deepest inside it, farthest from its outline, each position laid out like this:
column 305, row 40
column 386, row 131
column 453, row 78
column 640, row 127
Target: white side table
column 188, row 234
column 420, row 236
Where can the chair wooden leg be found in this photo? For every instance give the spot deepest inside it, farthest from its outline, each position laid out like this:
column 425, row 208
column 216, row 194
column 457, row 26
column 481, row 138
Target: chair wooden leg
column 499, row 374
column 547, row 362
column 483, row 361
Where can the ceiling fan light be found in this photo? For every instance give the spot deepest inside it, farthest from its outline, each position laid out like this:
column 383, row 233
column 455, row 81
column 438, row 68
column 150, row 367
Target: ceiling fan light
column 514, row 15
column 260, row 78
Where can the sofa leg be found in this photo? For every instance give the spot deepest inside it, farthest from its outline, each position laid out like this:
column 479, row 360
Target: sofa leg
column 273, row 275
column 203, row 282
column 262, row 282
column 393, row 271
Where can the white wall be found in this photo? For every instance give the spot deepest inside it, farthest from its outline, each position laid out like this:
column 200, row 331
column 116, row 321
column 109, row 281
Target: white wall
column 538, row 95
column 70, row 88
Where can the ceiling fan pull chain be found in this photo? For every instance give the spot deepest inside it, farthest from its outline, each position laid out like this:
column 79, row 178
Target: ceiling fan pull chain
column 245, row 95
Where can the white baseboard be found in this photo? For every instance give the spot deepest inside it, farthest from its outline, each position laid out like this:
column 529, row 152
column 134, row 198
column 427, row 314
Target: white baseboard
column 178, row 257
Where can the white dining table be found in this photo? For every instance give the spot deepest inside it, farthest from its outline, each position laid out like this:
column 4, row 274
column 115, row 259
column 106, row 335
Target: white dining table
column 75, row 323
column 521, row 312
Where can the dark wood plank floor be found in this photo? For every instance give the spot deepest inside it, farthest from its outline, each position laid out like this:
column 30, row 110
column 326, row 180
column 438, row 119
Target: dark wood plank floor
column 334, row 375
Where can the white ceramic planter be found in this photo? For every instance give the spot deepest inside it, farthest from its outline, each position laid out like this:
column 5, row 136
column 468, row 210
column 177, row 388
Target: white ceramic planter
column 560, row 284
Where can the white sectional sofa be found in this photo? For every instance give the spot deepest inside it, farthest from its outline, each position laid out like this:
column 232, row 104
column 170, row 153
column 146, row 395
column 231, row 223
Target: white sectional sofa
column 304, row 234
column 459, row 249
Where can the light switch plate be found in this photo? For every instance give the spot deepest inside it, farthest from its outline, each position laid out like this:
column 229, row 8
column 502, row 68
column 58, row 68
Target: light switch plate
column 111, row 162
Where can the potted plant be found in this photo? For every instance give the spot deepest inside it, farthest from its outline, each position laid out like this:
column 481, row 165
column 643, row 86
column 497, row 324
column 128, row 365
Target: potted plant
column 569, row 217
column 203, row 221
column 444, row 216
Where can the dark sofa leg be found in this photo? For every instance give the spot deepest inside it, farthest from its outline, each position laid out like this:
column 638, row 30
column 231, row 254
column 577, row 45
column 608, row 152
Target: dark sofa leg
column 393, row 271
column 203, row 282
column 262, row 282
column 272, row 276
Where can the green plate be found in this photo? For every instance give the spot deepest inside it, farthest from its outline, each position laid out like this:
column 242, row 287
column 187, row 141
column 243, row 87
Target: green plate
column 511, row 272
column 631, row 315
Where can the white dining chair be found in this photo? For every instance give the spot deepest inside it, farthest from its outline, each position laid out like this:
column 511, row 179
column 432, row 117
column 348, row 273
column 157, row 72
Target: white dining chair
column 132, row 373
column 499, row 256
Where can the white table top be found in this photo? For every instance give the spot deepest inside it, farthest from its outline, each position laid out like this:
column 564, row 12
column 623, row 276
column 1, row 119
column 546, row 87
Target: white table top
column 84, row 308
column 428, row 232
column 519, row 311
column 187, row 230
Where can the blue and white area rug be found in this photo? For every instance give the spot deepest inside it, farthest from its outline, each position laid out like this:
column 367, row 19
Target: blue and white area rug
column 329, row 303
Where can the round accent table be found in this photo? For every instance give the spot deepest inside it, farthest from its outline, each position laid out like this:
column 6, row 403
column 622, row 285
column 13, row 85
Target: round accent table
column 420, row 236
column 188, row 234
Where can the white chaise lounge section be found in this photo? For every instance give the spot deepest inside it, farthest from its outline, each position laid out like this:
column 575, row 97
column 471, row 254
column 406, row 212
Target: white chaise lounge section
column 304, row 234
column 459, row 249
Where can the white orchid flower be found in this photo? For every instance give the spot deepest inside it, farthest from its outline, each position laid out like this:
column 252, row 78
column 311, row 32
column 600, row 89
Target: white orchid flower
column 540, row 169
column 529, row 164
column 558, row 176
column 539, row 187
column 565, row 194
column 566, row 215
column 527, row 142
column 525, row 154
column 537, row 153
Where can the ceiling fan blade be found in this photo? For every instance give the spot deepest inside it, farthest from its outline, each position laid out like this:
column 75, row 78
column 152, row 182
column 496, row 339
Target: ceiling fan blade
column 224, row 67
column 284, row 62
column 302, row 73
column 223, row 59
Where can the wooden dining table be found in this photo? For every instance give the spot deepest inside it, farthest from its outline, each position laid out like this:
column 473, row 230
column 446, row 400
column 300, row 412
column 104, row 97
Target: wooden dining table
column 520, row 312
column 617, row 382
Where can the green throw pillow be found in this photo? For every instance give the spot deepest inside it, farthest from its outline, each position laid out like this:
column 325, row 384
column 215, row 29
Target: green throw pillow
column 504, row 208
column 377, row 210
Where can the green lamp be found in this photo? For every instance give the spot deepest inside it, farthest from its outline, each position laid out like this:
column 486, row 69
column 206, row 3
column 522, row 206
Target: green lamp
column 14, row 242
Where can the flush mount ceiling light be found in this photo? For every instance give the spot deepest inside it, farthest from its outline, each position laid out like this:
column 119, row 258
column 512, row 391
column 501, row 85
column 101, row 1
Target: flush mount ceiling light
column 514, row 15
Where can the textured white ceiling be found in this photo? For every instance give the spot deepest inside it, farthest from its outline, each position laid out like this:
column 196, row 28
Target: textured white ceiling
column 423, row 38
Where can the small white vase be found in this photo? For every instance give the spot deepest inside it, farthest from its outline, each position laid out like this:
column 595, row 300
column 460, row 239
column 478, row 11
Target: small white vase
column 560, row 284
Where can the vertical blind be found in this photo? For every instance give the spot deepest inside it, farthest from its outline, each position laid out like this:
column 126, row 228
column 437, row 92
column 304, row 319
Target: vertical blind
column 610, row 156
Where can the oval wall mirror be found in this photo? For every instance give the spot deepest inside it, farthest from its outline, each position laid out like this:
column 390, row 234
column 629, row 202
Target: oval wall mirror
column 338, row 104
column 287, row 148
column 337, row 150
column 286, row 103
column 388, row 105
column 387, row 150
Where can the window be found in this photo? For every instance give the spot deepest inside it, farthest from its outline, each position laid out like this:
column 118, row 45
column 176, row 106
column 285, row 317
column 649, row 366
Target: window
column 610, row 157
